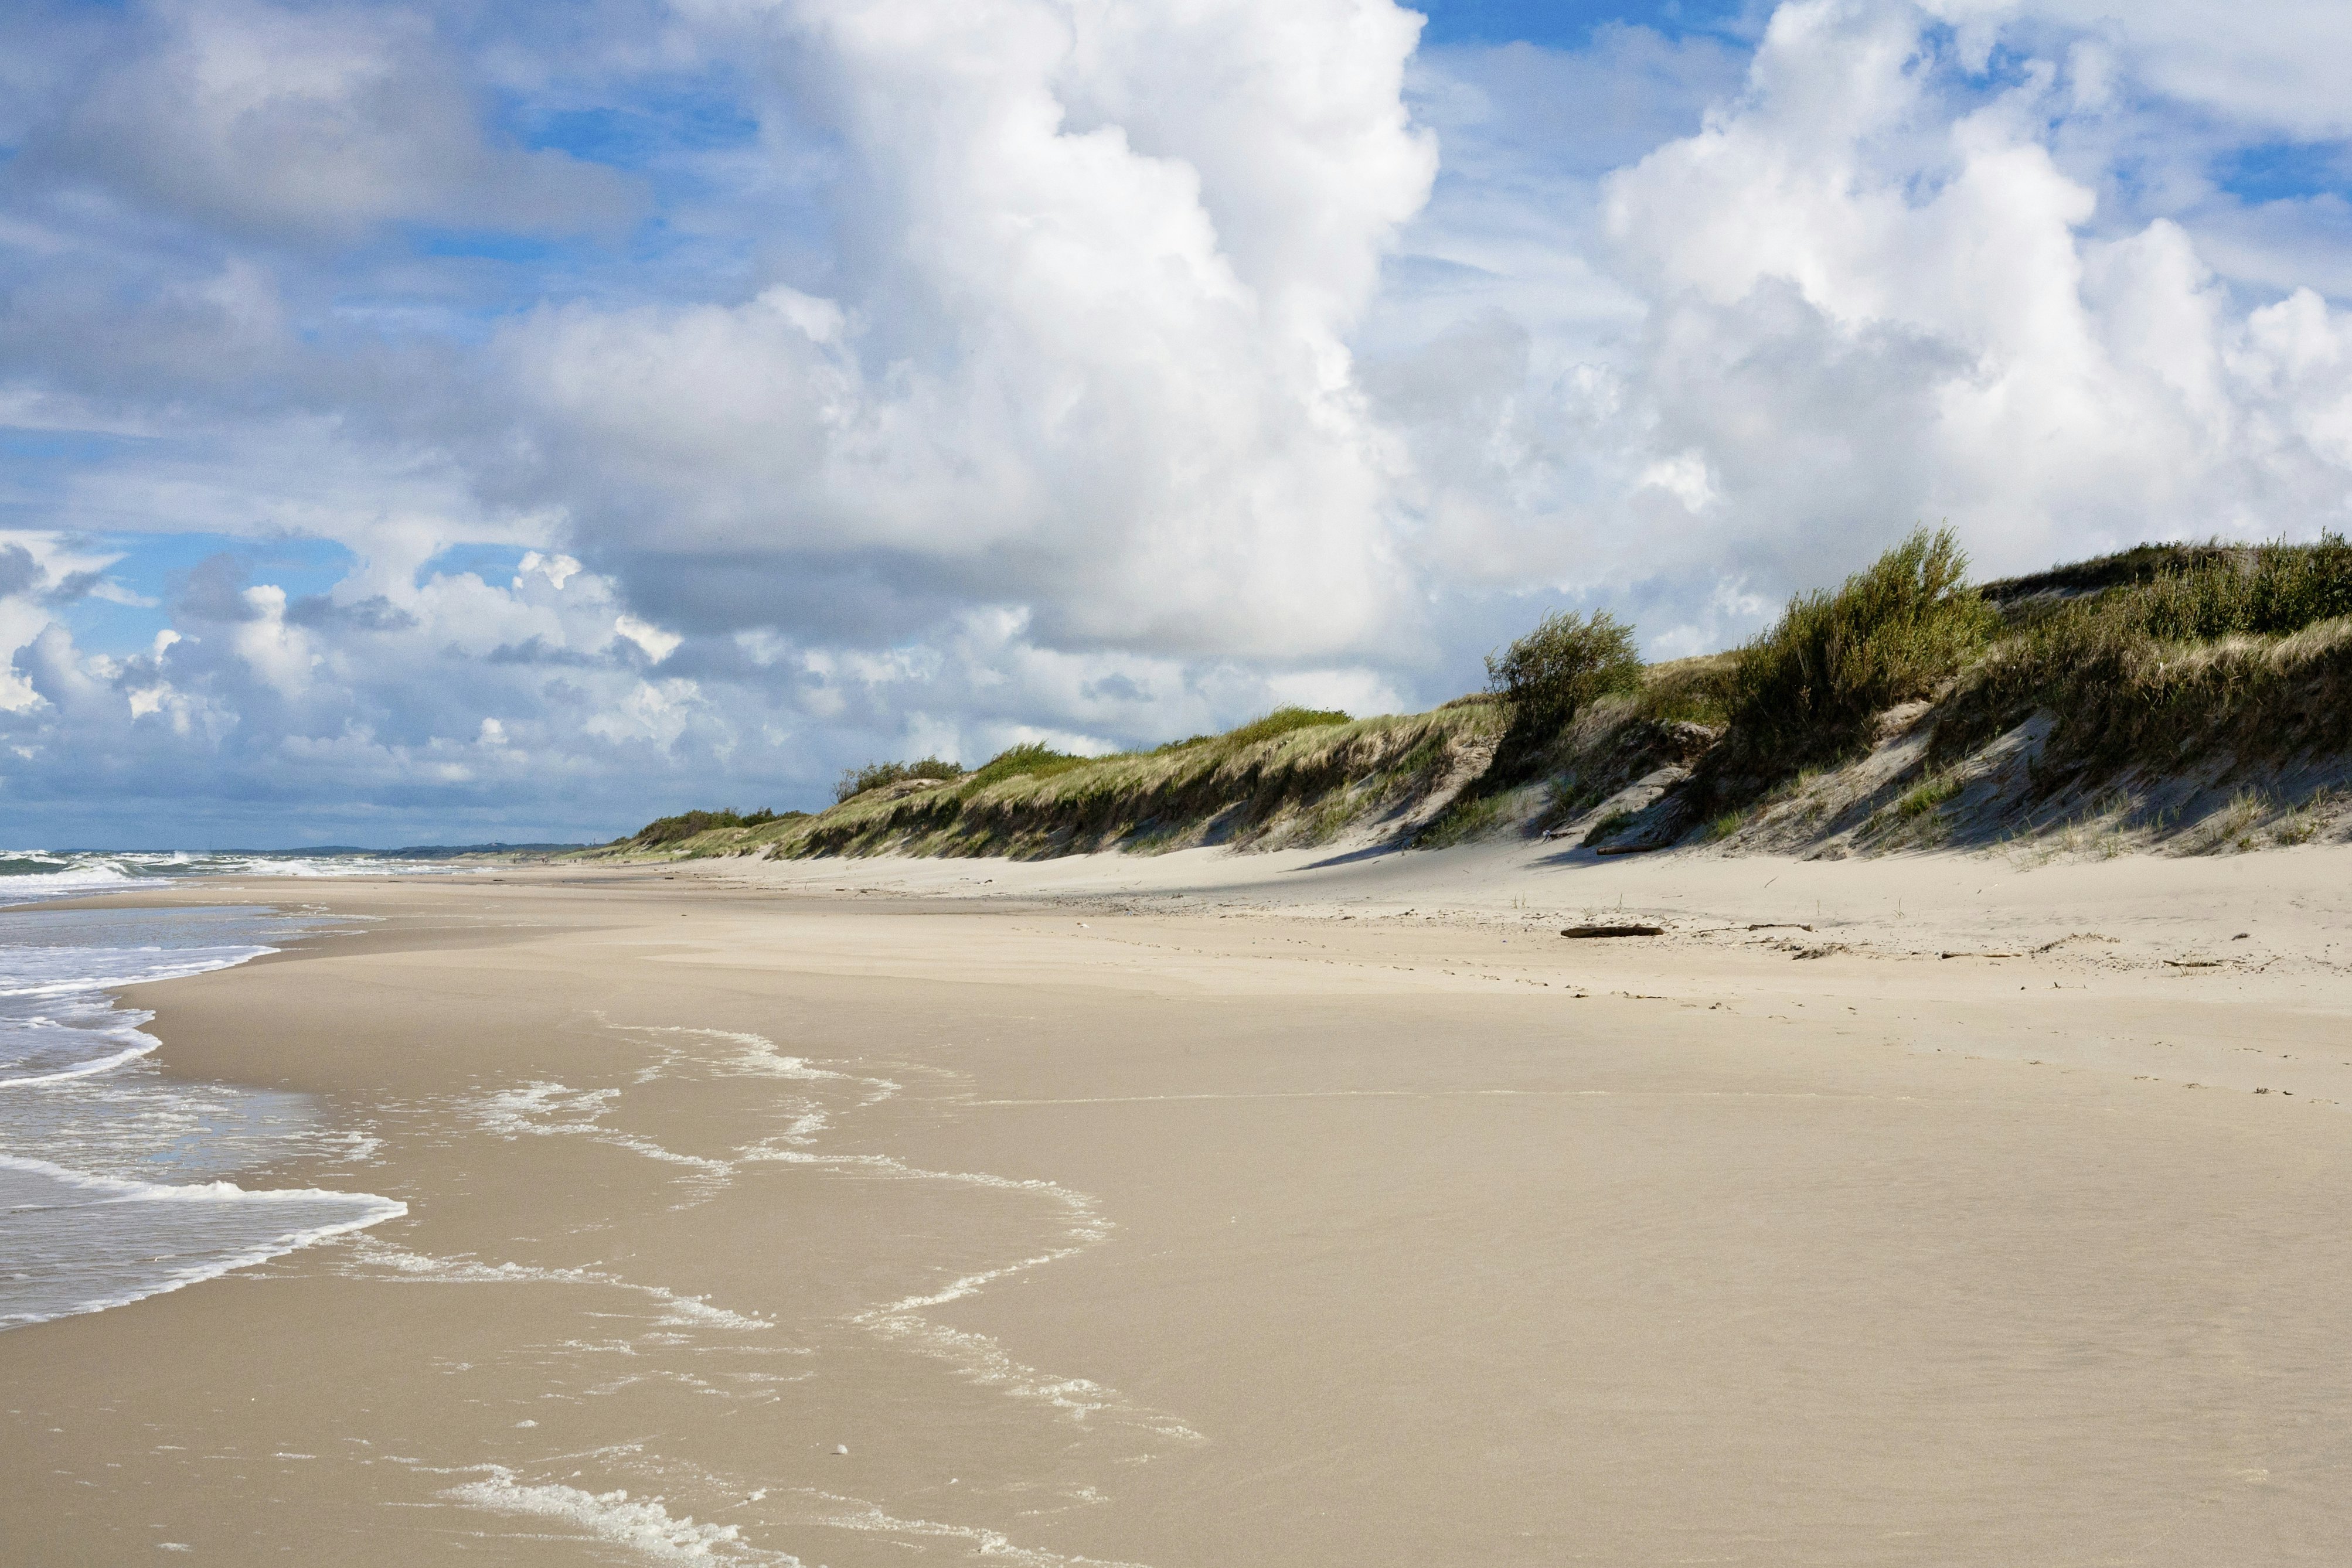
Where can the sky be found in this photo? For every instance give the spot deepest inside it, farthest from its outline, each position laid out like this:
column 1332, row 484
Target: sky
column 454, row 420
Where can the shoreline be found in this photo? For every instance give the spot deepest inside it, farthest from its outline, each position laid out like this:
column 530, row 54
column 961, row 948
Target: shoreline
column 1351, row 1217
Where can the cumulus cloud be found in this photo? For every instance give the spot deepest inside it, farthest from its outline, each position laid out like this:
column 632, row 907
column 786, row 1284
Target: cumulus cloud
column 287, row 121
column 1865, row 292
column 1091, row 359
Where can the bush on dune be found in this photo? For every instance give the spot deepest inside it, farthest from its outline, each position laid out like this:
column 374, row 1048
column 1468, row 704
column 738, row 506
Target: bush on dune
column 1807, row 689
column 686, row 824
column 1547, row 677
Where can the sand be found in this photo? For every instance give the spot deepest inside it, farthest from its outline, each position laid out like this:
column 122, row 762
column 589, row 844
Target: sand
column 1216, row 1209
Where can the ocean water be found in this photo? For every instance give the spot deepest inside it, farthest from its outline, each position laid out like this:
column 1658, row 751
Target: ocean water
column 30, row 875
column 116, row 1182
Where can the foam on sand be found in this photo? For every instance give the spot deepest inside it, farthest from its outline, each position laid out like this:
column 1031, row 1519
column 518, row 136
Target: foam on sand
column 642, row 1525
column 674, row 1309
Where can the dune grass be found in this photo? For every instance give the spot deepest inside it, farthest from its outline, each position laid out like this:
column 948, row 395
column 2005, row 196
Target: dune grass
column 1697, row 690
column 1808, row 689
column 1295, row 775
column 2247, row 649
column 1281, row 721
column 1931, row 793
column 857, row 781
column 1031, row 759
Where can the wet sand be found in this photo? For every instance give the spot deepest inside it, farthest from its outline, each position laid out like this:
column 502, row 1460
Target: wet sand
column 1203, row 1212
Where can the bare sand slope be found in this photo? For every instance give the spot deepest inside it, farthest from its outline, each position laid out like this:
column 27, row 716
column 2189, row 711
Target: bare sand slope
column 1212, row 1210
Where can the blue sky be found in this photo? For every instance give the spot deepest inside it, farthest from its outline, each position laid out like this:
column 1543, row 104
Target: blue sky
column 427, row 422
column 1569, row 25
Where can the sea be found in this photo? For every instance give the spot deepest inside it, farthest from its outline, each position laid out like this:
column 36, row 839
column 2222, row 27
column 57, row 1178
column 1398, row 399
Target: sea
column 117, row 1183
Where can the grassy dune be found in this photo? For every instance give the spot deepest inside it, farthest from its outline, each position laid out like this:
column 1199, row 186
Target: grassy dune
column 2189, row 697
column 1274, row 783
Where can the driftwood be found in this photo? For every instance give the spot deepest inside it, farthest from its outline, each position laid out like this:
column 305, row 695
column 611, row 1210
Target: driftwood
column 1584, row 931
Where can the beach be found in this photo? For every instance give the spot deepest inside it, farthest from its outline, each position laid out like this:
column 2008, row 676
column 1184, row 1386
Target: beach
column 1214, row 1209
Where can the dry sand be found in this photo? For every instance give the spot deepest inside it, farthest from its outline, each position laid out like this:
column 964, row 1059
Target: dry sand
column 1220, row 1210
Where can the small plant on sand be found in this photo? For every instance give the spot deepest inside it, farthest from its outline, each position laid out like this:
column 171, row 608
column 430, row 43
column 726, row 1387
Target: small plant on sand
column 1565, row 797
column 1808, row 689
column 1931, row 793
column 2097, row 831
column 1329, row 820
column 1723, row 827
column 2302, row 824
column 1461, row 821
column 2230, row 830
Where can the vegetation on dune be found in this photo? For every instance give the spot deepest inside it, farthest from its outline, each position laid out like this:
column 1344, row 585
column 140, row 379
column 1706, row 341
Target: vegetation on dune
column 1697, row 690
column 1029, row 759
column 2163, row 659
column 1547, row 677
column 857, row 781
column 1297, row 776
column 663, row 831
column 1808, row 689
column 2245, row 649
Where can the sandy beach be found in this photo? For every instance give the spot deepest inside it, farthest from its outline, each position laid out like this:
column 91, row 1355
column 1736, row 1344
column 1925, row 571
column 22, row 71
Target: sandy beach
column 1213, row 1210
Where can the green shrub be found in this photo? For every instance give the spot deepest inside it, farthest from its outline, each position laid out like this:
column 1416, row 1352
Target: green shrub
column 1432, row 752
column 1808, row 688
column 1614, row 822
column 1466, row 818
column 686, row 824
column 857, row 781
column 1547, row 677
column 1566, row 661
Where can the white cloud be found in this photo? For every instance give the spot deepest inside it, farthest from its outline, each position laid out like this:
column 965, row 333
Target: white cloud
column 2282, row 66
column 314, row 120
column 1871, row 292
column 657, row 644
column 1093, row 358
